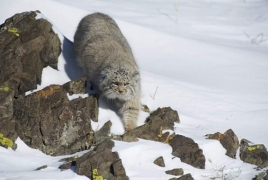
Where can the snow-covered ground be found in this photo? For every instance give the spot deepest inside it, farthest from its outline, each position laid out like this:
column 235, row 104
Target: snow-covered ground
column 207, row 59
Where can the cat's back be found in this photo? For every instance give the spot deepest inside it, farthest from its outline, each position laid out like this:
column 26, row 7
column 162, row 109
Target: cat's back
column 98, row 28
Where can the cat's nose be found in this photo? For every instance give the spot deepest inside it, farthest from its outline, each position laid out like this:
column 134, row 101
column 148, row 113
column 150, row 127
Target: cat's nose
column 121, row 89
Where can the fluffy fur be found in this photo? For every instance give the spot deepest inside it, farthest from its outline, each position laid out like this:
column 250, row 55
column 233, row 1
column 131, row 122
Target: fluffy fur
column 107, row 60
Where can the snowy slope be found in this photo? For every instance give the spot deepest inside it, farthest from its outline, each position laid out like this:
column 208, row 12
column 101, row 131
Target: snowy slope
column 206, row 58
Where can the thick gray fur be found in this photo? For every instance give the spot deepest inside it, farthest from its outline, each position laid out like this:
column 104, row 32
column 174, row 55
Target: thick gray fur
column 107, row 60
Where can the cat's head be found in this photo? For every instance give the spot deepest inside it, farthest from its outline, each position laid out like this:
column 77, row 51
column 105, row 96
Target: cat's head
column 120, row 82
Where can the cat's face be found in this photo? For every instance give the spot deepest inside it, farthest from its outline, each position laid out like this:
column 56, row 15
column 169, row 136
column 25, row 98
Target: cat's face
column 120, row 83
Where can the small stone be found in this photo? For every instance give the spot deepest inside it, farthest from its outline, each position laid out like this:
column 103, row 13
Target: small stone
column 160, row 161
column 145, row 108
column 41, row 167
column 175, row 172
column 184, row 177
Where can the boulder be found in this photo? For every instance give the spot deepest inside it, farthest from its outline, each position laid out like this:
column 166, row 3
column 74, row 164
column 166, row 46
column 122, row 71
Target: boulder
column 254, row 154
column 175, row 172
column 48, row 121
column 101, row 162
column 184, row 177
column 103, row 133
column 188, row 151
column 27, row 45
column 228, row 140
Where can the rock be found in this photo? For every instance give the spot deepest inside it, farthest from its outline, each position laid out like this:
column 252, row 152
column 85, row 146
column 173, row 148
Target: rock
column 175, row 172
column 261, row 176
column 26, row 46
column 184, row 177
column 101, row 162
column 103, row 133
column 41, row 167
column 228, row 140
column 48, row 121
column 161, row 119
column 76, row 87
column 160, row 161
column 145, row 108
column 216, row 136
column 188, row 151
column 254, row 154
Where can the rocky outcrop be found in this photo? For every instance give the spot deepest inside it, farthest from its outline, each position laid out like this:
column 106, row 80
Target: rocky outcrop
column 27, row 45
column 228, row 140
column 188, row 151
column 48, row 121
column 159, row 120
column 100, row 162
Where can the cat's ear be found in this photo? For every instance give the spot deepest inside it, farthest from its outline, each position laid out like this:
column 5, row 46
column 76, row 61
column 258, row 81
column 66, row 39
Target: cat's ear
column 136, row 76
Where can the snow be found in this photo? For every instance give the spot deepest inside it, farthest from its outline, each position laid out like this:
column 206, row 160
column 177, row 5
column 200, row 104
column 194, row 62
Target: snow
column 206, row 59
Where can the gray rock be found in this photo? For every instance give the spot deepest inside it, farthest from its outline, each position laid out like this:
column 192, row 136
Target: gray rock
column 100, row 162
column 188, row 151
column 254, row 154
column 27, row 45
column 160, row 161
column 228, row 140
column 48, row 121
column 23, row 39
column 184, row 177
column 175, row 172
column 41, row 167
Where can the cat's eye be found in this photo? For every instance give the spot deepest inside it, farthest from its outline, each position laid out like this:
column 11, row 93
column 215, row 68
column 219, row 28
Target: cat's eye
column 115, row 83
column 126, row 84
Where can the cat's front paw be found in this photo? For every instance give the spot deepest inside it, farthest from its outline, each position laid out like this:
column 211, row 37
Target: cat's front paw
column 129, row 126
